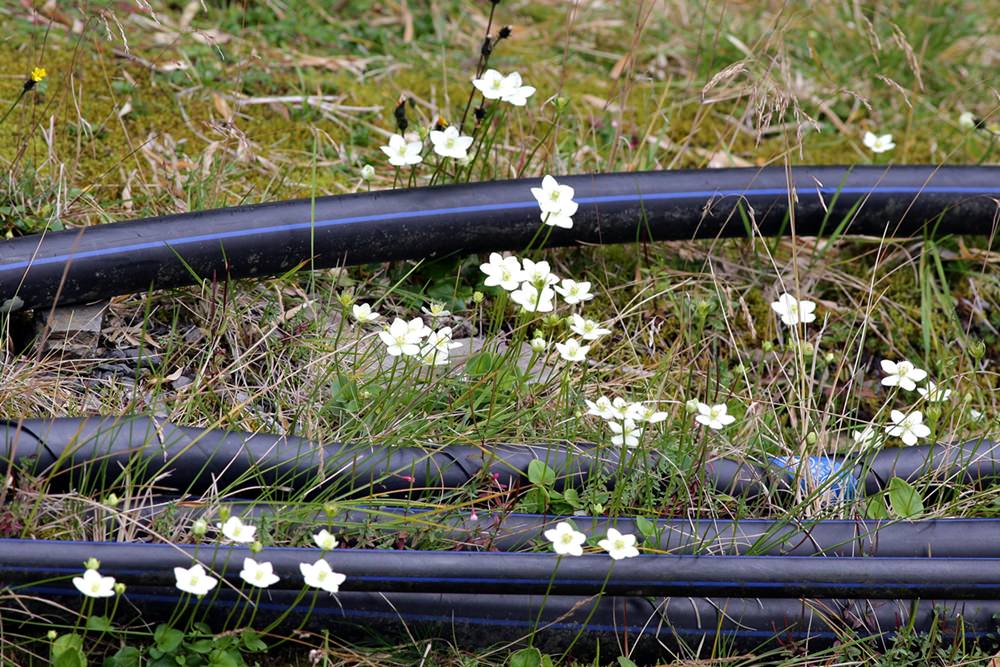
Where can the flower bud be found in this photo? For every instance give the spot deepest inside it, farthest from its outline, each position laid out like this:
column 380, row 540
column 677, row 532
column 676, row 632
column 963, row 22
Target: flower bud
column 811, row 438
column 92, row 563
column 256, row 547
column 224, row 513
column 538, row 345
column 367, row 172
column 199, row 527
column 112, row 500
column 691, row 406
column 119, row 588
column 977, row 349
column 477, row 297
column 52, row 634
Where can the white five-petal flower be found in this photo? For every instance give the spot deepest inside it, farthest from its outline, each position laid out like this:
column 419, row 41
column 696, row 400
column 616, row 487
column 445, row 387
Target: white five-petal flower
column 532, row 300
column 493, row 85
column 572, row 350
column 403, row 152
column 908, row 427
column 865, row 436
column 553, row 197
column 503, row 271
column 625, row 433
column 566, row 541
column 902, row 374
column 514, row 90
column 235, row 530
column 586, row 329
column 574, row 292
column 194, row 580
column 933, row 393
column 538, row 273
column 792, row 311
column 878, row 143
column 619, row 546
column 403, row 338
column 93, row 585
column 257, row 574
column 320, row 575
column 325, row 540
column 602, row 408
column 449, row 143
column 438, row 347
column 648, row 413
column 714, row 416
column 363, row 313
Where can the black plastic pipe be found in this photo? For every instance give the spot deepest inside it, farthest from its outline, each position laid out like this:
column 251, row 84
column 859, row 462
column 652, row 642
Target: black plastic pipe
column 651, row 629
column 72, row 452
column 269, row 239
column 528, row 573
column 951, row 538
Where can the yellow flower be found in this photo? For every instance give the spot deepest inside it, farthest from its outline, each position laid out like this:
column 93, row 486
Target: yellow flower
column 38, row 74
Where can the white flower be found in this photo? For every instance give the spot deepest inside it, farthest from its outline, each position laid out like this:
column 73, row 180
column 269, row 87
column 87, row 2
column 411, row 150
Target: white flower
column 514, row 91
column 880, row 143
column 325, row 540
column 619, row 546
column 493, row 85
column 237, row 531
column 402, row 152
column 367, row 172
column 566, row 541
column 792, row 311
column 93, row 585
column 436, row 310
column 586, row 329
column 560, row 219
column 976, row 414
column 625, row 433
column 714, row 416
column 934, row 393
column 538, row 345
column 554, row 198
column 902, row 374
column 503, row 271
column 257, row 574
column 537, row 273
column 602, row 408
column 194, row 580
column 533, row 301
column 437, row 348
column 865, row 436
column 319, row 575
column 574, row 292
column 572, row 351
column 909, row 428
column 402, row 337
column 967, row 119
column 363, row 313
column 647, row 413
column 449, row 143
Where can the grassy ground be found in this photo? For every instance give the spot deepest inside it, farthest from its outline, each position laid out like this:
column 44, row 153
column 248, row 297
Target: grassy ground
column 177, row 107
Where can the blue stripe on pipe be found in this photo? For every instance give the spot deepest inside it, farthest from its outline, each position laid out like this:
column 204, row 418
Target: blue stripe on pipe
column 484, row 554
column 480, row 208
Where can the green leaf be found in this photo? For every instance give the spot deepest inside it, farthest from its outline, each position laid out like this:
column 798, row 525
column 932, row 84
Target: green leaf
column 127, row 656
column 67, row 651
column 875, row 508
column 536, row 500
column 540, row 474
column 646, row 528
column 572, row 498
column 625, row 662
column 99, row 624
column 904, row 499
column 167, row 638
column 252, row 642
column 526, row 657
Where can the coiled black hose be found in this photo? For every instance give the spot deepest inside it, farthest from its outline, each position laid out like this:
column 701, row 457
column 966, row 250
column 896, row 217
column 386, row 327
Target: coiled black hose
column 77, row 451
column 269, row 239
